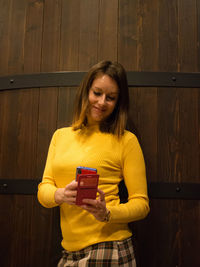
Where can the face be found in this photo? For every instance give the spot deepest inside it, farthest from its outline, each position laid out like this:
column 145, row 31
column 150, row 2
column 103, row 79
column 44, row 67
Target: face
column 103, row 96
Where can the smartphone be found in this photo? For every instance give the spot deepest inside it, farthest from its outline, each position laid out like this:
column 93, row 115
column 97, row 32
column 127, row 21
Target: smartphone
column 84, row 170
column 87, row 184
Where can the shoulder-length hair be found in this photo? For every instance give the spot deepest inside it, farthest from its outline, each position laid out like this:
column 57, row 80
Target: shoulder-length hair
column 116, row 122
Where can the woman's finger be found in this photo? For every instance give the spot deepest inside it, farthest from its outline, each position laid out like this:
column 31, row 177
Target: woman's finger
column 72, row 186
column 101, row 194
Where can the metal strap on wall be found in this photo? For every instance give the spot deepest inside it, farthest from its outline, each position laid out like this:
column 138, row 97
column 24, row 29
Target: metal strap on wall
column 135, row 79
column 161, row 190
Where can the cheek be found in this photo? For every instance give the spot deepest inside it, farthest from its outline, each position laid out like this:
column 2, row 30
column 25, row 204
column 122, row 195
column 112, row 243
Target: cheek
column 91, row 98
column 112, row 107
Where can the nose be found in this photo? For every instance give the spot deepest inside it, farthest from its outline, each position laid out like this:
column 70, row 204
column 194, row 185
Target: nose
column 102, row 100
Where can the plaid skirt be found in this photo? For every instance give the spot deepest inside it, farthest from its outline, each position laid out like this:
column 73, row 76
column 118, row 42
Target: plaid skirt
column 105, row 254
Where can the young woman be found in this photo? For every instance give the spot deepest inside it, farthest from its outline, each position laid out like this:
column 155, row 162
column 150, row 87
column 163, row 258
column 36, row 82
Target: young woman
column 97, row 233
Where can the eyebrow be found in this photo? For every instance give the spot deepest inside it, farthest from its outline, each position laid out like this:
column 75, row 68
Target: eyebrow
column 111, row 93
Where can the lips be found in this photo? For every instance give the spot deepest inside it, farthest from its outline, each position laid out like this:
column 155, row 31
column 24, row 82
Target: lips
column 99, row 110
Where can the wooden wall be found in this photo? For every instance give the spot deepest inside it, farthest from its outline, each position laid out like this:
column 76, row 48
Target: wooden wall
column 71, row 35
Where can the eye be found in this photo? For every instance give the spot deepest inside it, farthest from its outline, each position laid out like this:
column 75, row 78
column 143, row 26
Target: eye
column 96, row 93
column 110, row 98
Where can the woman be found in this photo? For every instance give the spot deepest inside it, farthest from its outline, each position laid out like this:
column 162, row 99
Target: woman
column 97, row 233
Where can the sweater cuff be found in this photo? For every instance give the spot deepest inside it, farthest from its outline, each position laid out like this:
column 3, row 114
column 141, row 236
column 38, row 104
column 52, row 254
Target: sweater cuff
column 46, row 195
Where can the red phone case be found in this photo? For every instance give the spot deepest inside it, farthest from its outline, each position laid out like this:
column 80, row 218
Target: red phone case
column 84, row 170
column 87, row 187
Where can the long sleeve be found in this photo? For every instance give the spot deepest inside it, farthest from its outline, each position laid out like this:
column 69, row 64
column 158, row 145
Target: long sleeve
column 47, row 188
column 134, row 174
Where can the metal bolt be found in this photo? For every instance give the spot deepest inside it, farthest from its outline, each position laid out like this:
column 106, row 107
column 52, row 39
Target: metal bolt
column 178, row 189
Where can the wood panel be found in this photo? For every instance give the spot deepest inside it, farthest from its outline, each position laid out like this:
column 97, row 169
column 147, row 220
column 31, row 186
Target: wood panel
column 159, row 235
column 168, row 35
column 33, row 36
column 66, row 100
column 5, row 7
column 19, row 129
column 143, row 35
column 128, row 39
column 51, row 36
column 89, row 19
column 47, row 122
column 108, row 26
column 70, row 35
column 16, row 37
column 187, row 22
column 189, row 132
column 148, row 35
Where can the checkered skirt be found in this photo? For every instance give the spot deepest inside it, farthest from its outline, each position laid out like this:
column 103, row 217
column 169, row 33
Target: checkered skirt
column 105, row 254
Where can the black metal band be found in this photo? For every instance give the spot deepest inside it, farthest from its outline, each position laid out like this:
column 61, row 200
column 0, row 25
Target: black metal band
column 161, row 190
column 135, row 79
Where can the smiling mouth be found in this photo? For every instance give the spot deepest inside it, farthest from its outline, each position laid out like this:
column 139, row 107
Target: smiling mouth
column 99, row 109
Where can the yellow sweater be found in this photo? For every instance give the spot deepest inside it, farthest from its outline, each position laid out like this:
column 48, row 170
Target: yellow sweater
column 115, row 159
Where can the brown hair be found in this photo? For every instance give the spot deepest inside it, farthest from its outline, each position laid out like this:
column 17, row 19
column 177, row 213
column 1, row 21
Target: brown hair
column 116, row 122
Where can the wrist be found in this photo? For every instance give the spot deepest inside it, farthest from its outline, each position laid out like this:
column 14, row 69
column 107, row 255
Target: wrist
column 107, row 216
column 58, row 196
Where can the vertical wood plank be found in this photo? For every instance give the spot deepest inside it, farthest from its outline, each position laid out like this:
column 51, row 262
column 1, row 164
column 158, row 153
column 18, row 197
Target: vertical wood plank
column 168, row 35
column 47, row 119
column 89, row 21
column 108, row 26
column 19, row 128
column 128, row 34
column 5, row 20
column 168, row 135
column 66, row 100
column 187, row 49
column 148, row 35
column 142, row 101
column 6, row 224
column 69, row 58
column 70, row 28
column 190, row 238
column 189, row 134
column 198, row 33
column 169, row 169
column 189, row 123
column 16, row 38
column 158, row 246
column 51, row 36
column 33, row 36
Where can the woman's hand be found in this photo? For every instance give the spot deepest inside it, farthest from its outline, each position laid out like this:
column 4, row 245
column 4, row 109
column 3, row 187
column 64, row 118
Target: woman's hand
column 66, row 194
column 97, row 207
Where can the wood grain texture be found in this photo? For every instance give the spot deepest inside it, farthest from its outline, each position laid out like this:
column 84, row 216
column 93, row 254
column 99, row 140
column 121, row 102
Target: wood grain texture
column 16, row 37
column 168, row 35
column 128, row 39
column 33, row 36
column 18, row 134
column 72, row 35
column 89, row 22
column 187, row 24
column 66, row 100
column 148, row 35
column 51, row 36
column 5, row 19
column 153, row 241
column 108, row 27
